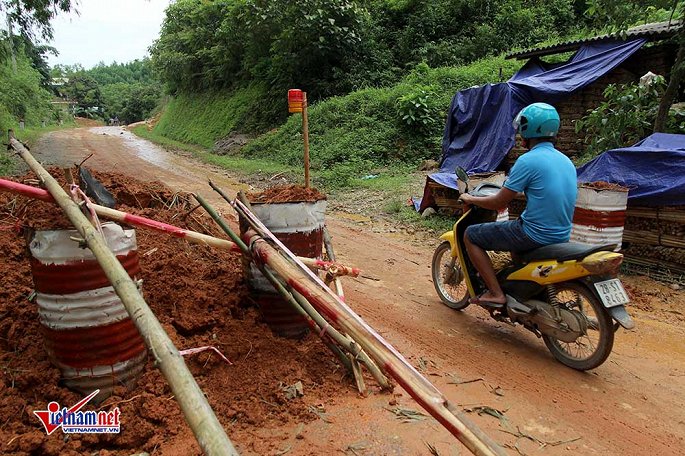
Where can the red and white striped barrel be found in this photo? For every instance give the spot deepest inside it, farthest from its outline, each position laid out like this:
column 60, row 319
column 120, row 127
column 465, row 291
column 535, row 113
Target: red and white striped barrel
column 87, row 332
column 300, row 227
column 600, row 215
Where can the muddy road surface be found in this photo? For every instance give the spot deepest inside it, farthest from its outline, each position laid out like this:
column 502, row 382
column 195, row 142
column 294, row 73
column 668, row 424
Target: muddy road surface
column 634, row 404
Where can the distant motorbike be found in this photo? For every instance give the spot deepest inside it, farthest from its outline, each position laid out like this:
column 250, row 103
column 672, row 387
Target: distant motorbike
column 568, row 293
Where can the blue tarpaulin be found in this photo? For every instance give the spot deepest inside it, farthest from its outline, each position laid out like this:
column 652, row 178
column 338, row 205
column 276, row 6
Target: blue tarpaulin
column 479, row 132
column 653, row 170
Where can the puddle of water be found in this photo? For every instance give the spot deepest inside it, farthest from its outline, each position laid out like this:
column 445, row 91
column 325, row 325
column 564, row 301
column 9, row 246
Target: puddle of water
column 143, row 148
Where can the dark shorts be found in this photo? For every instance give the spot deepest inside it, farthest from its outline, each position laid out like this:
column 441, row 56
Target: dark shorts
column 502, row 236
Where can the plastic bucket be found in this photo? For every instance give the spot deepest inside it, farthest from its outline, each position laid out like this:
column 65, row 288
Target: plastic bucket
column 600, row 214
column 86, row 330
column 300, row 227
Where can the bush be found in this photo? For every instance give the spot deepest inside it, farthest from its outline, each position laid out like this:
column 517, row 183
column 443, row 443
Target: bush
column 21, row 95
column 419, row 110
column 625, row 116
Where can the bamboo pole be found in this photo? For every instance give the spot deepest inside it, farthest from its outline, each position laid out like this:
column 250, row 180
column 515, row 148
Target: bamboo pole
column 328, row 243
column 198, row 414
column 302, row 280
column 305, row 135
column 193, row 237
column 302, row 306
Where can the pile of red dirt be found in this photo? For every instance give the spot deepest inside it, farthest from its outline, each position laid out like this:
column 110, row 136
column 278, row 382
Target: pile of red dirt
column 85, row 122
column 200, row 297
column 286, row 194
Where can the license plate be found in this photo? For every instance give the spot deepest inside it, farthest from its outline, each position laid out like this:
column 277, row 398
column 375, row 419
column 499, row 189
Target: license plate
column 612, row 293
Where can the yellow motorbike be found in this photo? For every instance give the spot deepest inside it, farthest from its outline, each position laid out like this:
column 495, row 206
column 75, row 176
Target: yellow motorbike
column 568, row 294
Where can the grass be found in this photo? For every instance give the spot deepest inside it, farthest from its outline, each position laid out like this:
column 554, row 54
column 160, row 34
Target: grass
column 355, row 135
column 203, row 118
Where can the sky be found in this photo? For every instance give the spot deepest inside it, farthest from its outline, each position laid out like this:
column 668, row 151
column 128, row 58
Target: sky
column 107, row 31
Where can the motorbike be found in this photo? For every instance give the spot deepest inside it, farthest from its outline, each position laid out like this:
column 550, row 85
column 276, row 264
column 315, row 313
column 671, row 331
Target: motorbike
column 568, row 294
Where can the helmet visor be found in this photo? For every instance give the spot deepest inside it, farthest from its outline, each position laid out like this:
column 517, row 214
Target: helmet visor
column 517, row 122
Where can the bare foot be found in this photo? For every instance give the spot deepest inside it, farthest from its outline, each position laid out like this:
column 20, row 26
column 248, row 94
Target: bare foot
column 488, row 296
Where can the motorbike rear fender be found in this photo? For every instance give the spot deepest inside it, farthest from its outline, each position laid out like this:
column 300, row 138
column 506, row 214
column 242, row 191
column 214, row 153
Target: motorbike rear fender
column 618, row 313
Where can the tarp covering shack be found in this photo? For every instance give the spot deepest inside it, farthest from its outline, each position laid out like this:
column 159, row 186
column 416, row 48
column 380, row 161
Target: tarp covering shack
column 479, row 133
column 653, row 170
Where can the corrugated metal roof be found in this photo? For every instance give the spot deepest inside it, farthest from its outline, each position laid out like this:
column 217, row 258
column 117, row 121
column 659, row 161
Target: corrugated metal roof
column 652, row 32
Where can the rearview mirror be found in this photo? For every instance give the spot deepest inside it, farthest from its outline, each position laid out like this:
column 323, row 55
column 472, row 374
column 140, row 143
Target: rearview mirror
column 462, row 176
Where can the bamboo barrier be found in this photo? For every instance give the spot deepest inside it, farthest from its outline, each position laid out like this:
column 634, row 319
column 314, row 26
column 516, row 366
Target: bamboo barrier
column 301, row 279
column 196, row 410
column 302, row 306
column 194, row 237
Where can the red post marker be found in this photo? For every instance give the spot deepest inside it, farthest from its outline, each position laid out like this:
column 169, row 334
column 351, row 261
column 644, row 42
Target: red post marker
column 295, row 100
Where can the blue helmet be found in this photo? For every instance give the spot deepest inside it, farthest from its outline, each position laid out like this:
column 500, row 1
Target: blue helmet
column 538, row 120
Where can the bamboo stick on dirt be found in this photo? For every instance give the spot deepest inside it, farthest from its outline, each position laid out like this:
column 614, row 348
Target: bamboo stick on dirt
column 328, row 244
column 302, row 306
column 198, row 414
column 310, row 286
column 175, row 231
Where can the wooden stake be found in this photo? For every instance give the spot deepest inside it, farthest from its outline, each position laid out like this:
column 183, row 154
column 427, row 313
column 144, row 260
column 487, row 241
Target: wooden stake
column 305, row 135
column 198, row 414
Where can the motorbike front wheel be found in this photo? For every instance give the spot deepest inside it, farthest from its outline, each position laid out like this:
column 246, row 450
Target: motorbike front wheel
column 592, row 348
column 448, row 278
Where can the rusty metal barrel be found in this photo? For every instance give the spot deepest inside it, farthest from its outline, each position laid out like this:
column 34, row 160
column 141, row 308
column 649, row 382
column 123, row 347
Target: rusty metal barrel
column 600, row 214
column 299, row 225
column 86, row 330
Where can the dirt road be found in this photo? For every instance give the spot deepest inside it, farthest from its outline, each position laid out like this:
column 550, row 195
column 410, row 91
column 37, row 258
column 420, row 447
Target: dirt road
column 633, row 404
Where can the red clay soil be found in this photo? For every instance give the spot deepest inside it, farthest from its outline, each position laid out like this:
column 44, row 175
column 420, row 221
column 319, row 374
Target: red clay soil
column 601, row 185
column 85, row 122
column 200, row 297
column 286, row 194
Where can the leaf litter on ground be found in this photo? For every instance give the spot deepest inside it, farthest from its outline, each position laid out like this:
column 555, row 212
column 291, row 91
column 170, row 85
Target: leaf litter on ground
column 407, row 415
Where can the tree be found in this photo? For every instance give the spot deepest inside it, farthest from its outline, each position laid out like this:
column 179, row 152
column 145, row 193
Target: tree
column 34, row 15
column 621, row 15
column 84, row 90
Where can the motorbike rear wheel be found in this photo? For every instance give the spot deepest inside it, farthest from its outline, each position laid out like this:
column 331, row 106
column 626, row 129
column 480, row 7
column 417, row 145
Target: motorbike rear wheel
column 448, row 278
column 593, row 348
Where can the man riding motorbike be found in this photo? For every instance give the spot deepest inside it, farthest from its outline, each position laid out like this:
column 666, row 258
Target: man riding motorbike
column 547, row 178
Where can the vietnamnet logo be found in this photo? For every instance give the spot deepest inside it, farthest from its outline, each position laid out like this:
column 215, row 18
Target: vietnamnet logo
column 73, row 421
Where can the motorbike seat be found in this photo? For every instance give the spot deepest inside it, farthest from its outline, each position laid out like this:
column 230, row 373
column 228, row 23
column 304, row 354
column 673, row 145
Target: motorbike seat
column 563, row 252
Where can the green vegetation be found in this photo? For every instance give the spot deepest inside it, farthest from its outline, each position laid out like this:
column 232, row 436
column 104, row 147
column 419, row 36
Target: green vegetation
column 331, row 48
column 23, row 67
column 21, row 93
column 355, row 135
column 127, row 91
column 202, row 118
column 626, row 115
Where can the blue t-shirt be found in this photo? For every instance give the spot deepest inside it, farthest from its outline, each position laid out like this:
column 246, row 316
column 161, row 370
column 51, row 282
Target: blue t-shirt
column 548, row 178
